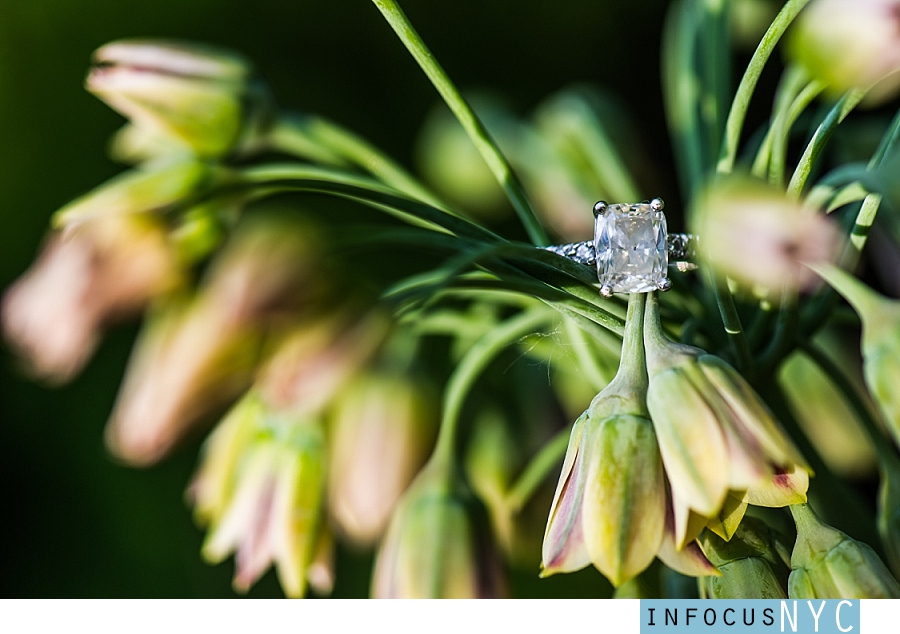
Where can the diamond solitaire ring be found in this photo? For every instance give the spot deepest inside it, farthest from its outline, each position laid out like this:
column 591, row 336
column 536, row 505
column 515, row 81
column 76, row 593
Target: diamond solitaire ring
column 631, row 249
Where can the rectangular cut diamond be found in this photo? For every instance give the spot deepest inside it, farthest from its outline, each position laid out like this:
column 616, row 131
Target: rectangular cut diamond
column 630, row 244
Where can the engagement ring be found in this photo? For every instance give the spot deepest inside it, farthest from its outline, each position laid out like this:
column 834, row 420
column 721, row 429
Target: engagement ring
column 632, row 249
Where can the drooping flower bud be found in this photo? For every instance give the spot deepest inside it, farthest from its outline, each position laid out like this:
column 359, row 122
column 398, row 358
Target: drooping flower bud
column 610, row 503
column 715, row 433
column 315, row 360
column 382, row 429
column 754, row 564
column 880, row 318
column 261, row 488
column 828, row 564
column 755, row 234
column 153, row 187
column 202, row 98
column 850, row 44
column 826, row 417
column 195, row 356
column 86, row 278
column 434, row 548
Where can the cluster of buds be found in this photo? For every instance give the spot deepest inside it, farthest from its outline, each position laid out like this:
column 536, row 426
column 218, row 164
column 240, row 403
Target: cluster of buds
column 850, row 44
column 672, row 446
column 311, row 446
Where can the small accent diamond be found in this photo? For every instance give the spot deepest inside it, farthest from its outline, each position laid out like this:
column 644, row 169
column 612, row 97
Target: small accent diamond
column 630, row 247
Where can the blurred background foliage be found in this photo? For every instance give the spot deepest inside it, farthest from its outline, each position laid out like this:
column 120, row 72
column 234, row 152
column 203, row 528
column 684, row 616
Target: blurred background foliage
column 75, row 523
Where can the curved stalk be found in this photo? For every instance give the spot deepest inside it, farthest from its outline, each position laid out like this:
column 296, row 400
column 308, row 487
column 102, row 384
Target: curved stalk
column 473, row 126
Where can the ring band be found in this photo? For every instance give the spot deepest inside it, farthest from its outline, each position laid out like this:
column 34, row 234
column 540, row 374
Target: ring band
column 681, row 248
column 632, row 248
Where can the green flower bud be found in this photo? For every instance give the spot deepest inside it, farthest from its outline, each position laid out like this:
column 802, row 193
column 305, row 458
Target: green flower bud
column 155, row 186
column 273, row 513
column 86, row 278
column 196, row 355
column 850, row 44
column 205, row 100
column 754, row 564
column 433, row 547
column 715, row 433
column 827, row 564
column 889, row 513
column 382, row 430
column 610, row 503
column 826, row 417
column 755, row 234
column 880, row 341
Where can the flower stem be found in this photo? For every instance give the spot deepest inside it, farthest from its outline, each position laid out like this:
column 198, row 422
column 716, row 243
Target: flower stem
column 542, row 465
column 311, row 136
column 473, row 126
column 741, row 103
column 837, row 114
column 470, row 368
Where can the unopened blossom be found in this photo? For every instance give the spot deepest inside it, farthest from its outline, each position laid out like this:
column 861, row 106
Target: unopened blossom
column 757, row 235
column 828, row 564
column 382, row 429
column 434, row 547
column 880, row 318
column 196, row 355
column 753, row 564
column 202, row 98
column 261, row 488
column 157, row 186
column 315, row 360
column 850, row 44
column 715, row 434
column 86, row 278
column 610, row 503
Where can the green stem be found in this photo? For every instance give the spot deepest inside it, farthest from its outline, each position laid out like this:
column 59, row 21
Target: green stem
column 300, row 134
column 586, row 357
column 863, row 299
column 541, row 466
column 473, row 126
column 470, row 368
column 740, row 348
column 741, row 103
column 888, row 141
column 837, row 114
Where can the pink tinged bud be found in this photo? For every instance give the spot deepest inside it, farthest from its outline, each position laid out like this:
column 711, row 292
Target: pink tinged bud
column 315, row 361
column 213, row 486
column 850, row 44
column 757, row 235
column 564, row 548
column 382, row 430
column 188, row 362
column 275, row 512
column 681, row 554
column 691, row 440
column 85, row 279
column 197, row 96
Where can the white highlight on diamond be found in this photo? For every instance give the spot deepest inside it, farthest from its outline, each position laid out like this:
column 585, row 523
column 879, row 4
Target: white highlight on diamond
column 630, row 245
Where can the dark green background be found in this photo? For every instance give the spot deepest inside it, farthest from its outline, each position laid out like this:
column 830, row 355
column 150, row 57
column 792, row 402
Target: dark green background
column 72, row 522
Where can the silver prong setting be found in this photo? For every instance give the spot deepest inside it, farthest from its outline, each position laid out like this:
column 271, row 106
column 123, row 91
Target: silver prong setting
column 606, row 291
column 657, row 204
column 664, row 284
column 599, row 208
